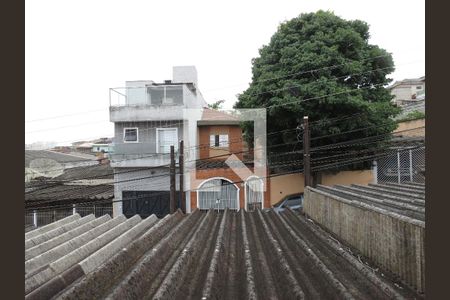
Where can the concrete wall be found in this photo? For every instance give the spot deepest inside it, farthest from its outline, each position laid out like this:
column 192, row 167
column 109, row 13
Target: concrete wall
column 285, row 185
column 410, row 125
column 393, row 242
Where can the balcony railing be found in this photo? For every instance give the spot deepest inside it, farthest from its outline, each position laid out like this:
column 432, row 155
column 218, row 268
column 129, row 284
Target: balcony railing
column 156, row 95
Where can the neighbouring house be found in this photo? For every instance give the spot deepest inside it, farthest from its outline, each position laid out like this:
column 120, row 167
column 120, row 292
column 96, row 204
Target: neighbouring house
column 408, row 91
column 101, row 148
column 83, row 190
column 148, row 118
column 214, row 184
column 46, row 163
column 83, row 147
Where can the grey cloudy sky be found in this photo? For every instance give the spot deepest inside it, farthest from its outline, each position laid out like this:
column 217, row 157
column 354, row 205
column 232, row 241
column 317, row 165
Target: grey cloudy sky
column 76, row 50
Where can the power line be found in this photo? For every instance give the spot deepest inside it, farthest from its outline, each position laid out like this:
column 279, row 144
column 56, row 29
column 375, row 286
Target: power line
column 142, row 178
column 66, row 115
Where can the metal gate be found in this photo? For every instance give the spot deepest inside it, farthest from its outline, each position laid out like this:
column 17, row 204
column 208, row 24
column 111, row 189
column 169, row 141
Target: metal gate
column 254, row 193
column 218, row 194
column 404, row 165
column 146, row 203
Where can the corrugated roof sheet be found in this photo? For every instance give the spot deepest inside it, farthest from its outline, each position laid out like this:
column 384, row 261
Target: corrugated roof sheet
column 202, row 255
column 62, row 192
column 404, row 199
column 30, row 155
column 104, row 171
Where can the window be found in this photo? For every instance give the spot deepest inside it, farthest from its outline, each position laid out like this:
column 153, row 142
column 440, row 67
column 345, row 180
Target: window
column 166, row 95
column 218, row 140
column 166, row 137
column 130, row 135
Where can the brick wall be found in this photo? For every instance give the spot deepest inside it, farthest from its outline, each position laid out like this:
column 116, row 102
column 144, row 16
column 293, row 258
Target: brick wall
column 234, row 138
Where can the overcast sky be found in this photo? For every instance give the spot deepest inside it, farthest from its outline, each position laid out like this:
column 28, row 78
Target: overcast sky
column 77, row 50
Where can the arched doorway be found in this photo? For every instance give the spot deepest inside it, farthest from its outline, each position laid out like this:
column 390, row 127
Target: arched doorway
column 218, row 193
column 254, row 193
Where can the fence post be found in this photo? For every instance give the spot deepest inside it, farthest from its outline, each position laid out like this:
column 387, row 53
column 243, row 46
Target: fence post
column 375, row 172
column 410, row 166
column 398, row 167
column 74, row 210
column 34, row 218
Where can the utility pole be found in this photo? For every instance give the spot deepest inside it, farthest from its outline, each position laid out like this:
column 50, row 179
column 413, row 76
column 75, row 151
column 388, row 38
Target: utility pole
column 172, row 179
column 306, row 155
column 181, row 163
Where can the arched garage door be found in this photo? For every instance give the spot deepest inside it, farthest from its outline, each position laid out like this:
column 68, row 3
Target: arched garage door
column 254, row 193
column 218, row 193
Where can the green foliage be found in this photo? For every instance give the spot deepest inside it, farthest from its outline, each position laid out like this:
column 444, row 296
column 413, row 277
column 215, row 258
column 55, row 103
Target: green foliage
column 321, row 66
column 216, row 105
column 414, row 115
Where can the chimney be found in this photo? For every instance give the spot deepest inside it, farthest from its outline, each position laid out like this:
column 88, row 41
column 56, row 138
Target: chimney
column 185, row 74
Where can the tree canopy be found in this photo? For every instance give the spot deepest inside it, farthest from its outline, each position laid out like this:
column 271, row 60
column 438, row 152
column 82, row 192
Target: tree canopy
column 216, row 104
column 321, row 66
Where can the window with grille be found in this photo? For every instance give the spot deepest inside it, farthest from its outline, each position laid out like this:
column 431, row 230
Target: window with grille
column 218, row 140
column 167, row 137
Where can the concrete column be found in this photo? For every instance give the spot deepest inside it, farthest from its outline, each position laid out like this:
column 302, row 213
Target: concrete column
column 188, row 202
column 117, row 208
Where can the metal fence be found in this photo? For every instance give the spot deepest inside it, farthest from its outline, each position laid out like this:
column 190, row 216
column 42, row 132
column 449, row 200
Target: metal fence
column 40, row 217
column 404, row 165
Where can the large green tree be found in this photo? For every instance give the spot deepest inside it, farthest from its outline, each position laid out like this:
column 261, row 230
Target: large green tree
column 322, row 66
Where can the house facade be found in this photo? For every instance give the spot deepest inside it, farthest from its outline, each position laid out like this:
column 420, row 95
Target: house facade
column 408, row 91
column 148, row 118
column 218, row 182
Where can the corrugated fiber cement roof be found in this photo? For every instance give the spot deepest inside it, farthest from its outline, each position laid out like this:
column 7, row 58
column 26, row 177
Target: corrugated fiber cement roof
column 201, row 255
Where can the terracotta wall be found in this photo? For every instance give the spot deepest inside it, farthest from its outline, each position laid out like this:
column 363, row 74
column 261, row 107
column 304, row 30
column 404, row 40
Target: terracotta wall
column 284, row 185
column 410, row 125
